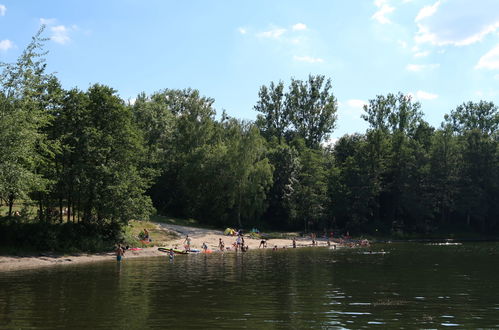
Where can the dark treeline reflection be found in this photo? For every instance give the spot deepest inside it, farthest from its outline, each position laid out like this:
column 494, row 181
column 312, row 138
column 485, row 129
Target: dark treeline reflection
column 89, row 162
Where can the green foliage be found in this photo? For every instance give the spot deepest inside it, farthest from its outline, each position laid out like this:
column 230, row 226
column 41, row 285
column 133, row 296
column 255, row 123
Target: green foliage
column 24, row 86
column 307, row 111
column 67, row 237
column 90, row 163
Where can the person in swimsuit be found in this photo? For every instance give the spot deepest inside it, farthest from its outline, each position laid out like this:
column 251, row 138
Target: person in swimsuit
column 120, row 252
column 238, row 242
column 221, row 244
column 294, row 243
column 187, row 243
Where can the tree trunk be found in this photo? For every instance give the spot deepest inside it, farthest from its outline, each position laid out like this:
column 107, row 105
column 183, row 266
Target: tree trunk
column 11, row 204
column 239, row 209
column 40, row 207
column 61, row 216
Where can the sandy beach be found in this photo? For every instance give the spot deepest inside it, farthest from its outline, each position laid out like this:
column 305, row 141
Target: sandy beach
column 198, row 237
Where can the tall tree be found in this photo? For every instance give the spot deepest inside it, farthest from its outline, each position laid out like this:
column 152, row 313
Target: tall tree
column 23, row 86
column 394, row 121
column 274, row 121
column 307, row 110
column 351, row 189
column 477, row 127
column 312, row 109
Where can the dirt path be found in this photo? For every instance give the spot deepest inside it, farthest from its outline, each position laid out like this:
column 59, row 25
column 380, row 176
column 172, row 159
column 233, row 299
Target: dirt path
column 191, row 231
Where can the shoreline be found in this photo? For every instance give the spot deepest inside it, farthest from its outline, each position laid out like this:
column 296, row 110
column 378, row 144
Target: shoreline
column 198, row 237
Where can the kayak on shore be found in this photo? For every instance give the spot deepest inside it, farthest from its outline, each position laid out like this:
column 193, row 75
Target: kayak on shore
column 167, row 250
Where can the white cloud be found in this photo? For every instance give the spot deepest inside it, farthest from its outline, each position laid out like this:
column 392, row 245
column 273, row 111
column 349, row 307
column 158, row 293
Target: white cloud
column 242, row 30
column 422, row 95
column 402, row 43
column 457, row 22
column 60, row 34
column 351, row 109
column 274, row 33
column 383, row 9
column 308, row 59
column 330, row 142
column 299, row 27
column 422, row 54
column 421, row 67
column 356, row 103
column 490, row 60
column 6, row 44
column 427, row 11
column 3, row 9
column 47, row 21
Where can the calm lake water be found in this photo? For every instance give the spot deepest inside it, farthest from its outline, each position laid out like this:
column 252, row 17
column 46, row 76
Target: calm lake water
column 409, row 285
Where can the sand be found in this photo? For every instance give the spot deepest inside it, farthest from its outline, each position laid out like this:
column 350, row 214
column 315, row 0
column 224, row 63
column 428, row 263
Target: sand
column 198, row 237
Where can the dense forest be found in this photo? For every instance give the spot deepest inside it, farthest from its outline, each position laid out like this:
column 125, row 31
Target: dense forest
column 87, row 162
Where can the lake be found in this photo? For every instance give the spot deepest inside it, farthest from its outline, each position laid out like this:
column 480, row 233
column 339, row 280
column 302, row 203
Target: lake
column 411, row 285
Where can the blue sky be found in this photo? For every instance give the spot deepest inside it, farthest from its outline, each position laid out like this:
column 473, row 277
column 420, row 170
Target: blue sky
column 442, row 52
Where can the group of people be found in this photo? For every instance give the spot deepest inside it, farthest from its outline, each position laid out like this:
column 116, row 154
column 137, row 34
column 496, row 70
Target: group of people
column 238, row 245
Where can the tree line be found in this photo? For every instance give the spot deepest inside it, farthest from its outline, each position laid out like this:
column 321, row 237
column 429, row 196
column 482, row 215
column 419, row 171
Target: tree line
column 89, row 157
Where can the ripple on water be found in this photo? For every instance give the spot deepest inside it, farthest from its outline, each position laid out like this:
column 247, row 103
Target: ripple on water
column 359, row 304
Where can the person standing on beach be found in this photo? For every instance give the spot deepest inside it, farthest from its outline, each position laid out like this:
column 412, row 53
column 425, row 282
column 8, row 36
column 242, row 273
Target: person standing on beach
column 120, row 252
column 221, row 244
column 294, row 243
column 238, row 242
column 187, row 243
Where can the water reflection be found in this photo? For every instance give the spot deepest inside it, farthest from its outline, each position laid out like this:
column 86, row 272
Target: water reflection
column 302, row 288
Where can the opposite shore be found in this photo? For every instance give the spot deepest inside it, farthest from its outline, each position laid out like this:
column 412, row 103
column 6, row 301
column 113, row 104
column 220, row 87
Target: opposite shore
column 198, row 237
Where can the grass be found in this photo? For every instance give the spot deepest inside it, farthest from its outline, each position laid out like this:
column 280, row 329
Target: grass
column 278, row 235
column 179, row 221
column 159, row 236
